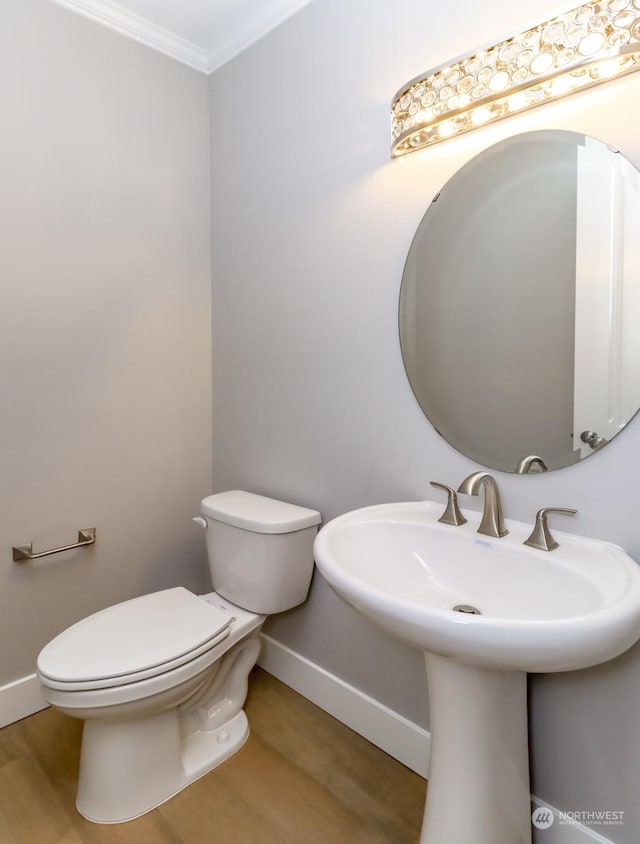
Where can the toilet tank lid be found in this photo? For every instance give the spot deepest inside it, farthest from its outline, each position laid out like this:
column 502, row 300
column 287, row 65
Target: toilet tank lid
column 257, row 513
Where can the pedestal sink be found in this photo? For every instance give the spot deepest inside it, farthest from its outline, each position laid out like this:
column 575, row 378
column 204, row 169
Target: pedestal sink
column 485, row 612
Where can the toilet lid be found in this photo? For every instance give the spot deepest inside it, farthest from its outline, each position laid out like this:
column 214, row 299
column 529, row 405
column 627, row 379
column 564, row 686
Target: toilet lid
column 133, row 640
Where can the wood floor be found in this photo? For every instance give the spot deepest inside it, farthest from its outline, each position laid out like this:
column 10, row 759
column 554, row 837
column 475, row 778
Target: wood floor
column 301, row 778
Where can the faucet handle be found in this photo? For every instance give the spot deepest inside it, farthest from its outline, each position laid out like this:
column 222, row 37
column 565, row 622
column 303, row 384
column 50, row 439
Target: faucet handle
column 540, row 535
column 452, row 514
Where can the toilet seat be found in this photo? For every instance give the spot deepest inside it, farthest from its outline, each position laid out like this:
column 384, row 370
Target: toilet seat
column 133, row 641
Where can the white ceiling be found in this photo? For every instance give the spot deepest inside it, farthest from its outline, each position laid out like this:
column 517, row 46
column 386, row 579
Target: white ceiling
column 201, row 33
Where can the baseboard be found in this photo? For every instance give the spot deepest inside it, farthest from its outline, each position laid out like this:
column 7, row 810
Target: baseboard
column 561, row 831
column 405, row 741
column 20, row 698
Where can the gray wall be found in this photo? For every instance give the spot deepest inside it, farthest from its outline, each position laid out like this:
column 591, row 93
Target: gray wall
column 311, row 226
column 104, row 321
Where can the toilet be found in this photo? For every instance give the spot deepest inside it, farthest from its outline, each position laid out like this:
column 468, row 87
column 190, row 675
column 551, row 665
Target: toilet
column 161, row 680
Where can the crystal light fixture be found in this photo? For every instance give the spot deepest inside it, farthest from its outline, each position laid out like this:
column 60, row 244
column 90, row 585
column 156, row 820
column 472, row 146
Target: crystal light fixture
column 571, row 52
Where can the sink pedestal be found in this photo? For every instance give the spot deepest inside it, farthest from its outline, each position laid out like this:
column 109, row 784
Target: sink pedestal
column 478, row 787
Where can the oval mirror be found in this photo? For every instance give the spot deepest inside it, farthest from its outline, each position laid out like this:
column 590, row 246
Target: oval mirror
column 520, row 302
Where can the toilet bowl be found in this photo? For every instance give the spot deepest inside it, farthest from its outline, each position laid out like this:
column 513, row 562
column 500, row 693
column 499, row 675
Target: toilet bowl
column 161, row 680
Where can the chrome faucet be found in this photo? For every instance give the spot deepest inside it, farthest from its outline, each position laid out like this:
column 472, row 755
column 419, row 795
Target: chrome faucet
column 492, row 523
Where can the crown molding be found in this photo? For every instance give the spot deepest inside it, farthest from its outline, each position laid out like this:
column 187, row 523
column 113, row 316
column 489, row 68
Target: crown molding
column 242, row 35
column 140, row 29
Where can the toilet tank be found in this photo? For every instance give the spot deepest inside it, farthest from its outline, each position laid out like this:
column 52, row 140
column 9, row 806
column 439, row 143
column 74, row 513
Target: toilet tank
column 260, row 550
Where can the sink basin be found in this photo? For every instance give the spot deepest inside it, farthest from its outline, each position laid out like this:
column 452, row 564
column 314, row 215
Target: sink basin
column 570, row 608
column 540, row 611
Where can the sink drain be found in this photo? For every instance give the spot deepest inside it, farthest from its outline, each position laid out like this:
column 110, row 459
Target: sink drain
column 467, row 609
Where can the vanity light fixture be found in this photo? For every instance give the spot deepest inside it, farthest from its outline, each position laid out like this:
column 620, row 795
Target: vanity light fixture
column 573, row 51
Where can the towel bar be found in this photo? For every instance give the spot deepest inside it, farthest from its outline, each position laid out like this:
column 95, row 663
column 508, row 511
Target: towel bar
column 25, row 552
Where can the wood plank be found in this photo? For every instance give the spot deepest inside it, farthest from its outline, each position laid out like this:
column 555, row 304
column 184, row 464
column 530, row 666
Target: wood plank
column 370, row 836
column 54, row 740
column 30, row 807
column 6, row 836
column 209, row 811
column 298, row 807
column 149, row 829
column 380, row 790
column 12, row 744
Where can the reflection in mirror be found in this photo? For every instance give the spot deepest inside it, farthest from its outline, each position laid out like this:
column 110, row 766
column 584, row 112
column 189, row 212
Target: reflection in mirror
column 520, row 302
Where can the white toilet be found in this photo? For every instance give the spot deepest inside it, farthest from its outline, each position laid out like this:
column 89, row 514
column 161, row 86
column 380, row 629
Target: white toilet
column 161, row 680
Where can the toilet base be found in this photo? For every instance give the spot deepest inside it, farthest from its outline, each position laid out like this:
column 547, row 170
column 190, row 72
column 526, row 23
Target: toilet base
column 129, row 770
